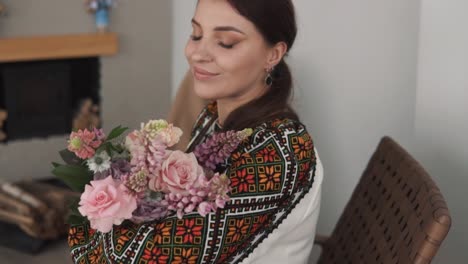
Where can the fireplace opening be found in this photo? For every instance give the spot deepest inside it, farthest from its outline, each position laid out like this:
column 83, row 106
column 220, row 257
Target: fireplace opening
column 52, row 97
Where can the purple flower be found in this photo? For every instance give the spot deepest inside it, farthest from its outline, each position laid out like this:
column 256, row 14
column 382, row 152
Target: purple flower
column 219, row 147
column 184, row 203
column 99, row 134
column 102, row 175
column 149, row 210
column 120, row 167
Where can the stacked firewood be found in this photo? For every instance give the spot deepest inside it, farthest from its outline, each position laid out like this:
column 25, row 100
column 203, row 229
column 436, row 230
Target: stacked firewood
column 87, row 115
column 38, row 209
column 3, row 118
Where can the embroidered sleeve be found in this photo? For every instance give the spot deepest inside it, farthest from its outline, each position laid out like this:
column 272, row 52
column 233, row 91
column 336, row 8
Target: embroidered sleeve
column 205, row 115
column 269, row 175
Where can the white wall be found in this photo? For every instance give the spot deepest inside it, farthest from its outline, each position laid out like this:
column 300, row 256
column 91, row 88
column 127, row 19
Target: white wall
column 355, row 70
column 135, row 82
column 182, row 13
column 442, row 112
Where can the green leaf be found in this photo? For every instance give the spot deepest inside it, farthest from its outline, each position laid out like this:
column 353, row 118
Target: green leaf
column 76, row 177
column 116, row 132
column 102, row 147
column 119, row 148
column 73, row 203
column 55, row 164
column 69, row 157
column 76, row 220
column 74, row 216
column 109, row 149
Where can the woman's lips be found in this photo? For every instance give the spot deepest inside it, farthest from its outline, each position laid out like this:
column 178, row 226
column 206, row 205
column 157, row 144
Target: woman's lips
column 203, row 75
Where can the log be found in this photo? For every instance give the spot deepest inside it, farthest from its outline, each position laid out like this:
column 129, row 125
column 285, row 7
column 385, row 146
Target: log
column 7, row 201
column 16, row 192
column 3, row 114
column 3, row 136
column 15, row 218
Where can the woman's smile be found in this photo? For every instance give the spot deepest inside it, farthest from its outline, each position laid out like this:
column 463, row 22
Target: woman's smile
column 203, row 75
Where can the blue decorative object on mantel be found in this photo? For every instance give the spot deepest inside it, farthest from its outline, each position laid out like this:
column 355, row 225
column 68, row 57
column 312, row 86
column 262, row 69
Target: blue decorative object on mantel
column 101, row 9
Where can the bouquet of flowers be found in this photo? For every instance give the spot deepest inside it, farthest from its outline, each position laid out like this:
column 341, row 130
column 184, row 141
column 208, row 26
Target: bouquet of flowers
column 138, row 177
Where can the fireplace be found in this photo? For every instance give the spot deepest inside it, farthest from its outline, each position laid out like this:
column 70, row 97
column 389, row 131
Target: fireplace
column 50, row 85
column 48, row 97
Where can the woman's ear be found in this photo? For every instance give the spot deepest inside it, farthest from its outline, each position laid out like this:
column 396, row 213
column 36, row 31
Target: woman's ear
column 275, row 54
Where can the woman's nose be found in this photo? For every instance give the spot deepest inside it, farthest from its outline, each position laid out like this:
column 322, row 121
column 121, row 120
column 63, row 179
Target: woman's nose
column 201, row 53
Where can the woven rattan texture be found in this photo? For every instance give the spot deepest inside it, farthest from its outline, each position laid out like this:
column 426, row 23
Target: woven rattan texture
column 396, row 213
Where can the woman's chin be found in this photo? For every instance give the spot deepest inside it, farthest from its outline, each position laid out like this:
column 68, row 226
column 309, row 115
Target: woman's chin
column 205, row 92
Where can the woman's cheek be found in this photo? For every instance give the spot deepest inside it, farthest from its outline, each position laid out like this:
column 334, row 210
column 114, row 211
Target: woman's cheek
column 189, row 48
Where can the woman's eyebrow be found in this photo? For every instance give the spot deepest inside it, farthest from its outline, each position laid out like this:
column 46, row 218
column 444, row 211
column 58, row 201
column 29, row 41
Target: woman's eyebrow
column 228, row 28
column 221, row 28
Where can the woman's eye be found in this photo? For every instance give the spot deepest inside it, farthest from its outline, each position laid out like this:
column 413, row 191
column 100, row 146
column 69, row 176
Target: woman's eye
column 195, row 38
column 226, row 46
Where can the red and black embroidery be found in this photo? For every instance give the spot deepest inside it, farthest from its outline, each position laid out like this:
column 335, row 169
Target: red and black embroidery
column 270, row 173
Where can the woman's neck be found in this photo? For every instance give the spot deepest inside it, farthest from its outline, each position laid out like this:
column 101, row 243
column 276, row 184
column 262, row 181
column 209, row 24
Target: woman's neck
column 227, row 105
column 224, row 109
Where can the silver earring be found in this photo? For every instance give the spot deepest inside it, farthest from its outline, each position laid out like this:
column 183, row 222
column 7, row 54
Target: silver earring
column 269, row 78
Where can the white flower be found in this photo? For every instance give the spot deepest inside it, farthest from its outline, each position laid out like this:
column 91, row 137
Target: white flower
column 100, row 162
column 153, row 128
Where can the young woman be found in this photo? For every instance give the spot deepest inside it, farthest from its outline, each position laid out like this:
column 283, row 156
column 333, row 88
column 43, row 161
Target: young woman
column 236, row 55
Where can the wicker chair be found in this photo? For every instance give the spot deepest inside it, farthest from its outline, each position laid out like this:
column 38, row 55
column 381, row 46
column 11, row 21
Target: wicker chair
column 396, row 214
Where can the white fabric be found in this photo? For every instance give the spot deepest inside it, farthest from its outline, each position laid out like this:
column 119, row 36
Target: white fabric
column 292, row 241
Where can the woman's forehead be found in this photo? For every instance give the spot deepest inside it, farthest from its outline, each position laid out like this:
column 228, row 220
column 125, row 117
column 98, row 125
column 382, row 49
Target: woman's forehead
column 211, row 14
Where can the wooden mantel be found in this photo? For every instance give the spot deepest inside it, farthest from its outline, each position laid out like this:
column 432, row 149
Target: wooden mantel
column 57, row 47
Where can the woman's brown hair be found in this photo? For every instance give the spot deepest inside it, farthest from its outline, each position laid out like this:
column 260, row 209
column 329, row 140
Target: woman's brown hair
column 276, row 21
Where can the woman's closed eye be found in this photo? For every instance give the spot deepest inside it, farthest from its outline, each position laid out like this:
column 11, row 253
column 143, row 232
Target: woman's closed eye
column 195, row 38
column 220, row 43
column 226, row 46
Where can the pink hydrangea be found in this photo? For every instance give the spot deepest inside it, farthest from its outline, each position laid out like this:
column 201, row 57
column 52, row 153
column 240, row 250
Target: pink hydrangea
column 219, row 187
column 207, row 197
column 205, row 208
column 147, row 153
column 83, row 143
column 156, row 154
column 135, row 143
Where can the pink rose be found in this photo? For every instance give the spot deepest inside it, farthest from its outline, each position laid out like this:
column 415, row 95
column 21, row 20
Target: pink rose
column 179, row 172
column 105, row 203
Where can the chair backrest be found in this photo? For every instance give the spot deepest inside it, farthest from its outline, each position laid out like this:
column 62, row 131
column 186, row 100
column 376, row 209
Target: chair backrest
column 396, row 213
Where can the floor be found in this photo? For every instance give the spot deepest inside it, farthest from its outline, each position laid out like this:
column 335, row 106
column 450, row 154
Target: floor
column 58, row 253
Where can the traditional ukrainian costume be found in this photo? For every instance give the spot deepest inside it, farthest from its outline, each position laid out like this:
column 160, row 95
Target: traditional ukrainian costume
column 276, row 177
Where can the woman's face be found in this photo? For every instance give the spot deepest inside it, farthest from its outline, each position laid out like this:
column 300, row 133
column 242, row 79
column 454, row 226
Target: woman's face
column 226, row 53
